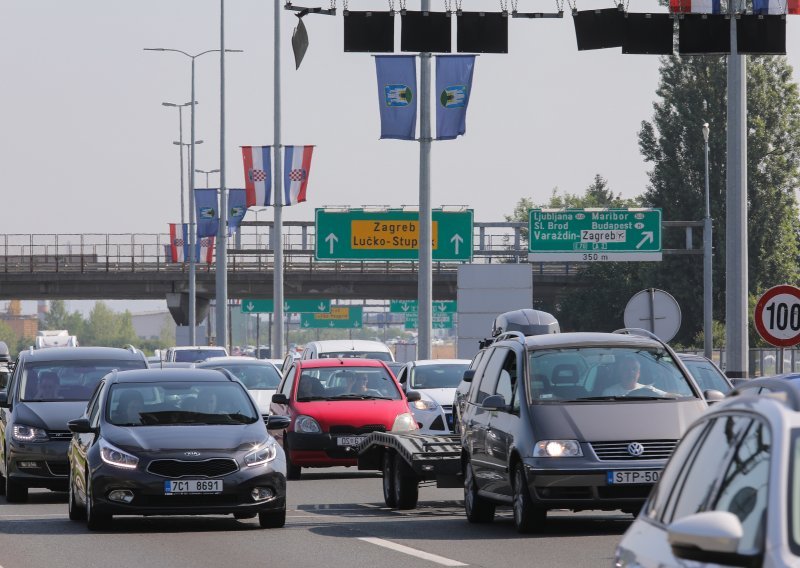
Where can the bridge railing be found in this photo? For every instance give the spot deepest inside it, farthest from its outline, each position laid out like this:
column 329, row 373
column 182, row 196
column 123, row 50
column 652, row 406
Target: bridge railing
column 250, row 249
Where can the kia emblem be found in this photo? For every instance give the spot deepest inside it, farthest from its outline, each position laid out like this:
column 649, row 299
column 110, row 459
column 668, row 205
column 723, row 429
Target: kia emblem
column 196, row 454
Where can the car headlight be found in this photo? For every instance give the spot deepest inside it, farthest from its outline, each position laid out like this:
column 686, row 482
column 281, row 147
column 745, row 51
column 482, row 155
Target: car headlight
column 306, row 425
column 557, row 449
column 116, row 457
column 425, row 404
column 262, row 455
column 23, row 433
column 404, row 422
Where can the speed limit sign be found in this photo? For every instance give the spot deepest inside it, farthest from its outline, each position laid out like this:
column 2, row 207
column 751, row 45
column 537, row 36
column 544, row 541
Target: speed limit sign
column 777, row 316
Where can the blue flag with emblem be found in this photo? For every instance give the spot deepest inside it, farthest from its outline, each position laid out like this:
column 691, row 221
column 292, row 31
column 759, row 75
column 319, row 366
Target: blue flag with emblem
column 205, row 201
column 397, row 95
column 453, row 86
column 237, row 207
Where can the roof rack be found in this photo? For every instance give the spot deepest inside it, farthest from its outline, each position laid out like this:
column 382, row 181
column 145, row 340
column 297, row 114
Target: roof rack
column 775, row 384
column 510, row 334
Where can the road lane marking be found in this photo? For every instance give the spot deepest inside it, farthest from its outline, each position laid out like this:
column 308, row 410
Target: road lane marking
column 412, row 551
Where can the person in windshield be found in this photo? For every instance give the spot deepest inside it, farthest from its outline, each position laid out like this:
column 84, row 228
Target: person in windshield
column 131, row 404
column 628, row 372
column 309, row 387
column 47, row 387
column 361, row 386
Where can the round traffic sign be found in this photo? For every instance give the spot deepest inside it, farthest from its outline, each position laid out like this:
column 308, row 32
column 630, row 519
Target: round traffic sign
column 777, row 316
column 656, row 311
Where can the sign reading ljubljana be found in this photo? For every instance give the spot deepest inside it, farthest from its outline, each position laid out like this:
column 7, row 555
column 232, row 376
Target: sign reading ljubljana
column 594, row 235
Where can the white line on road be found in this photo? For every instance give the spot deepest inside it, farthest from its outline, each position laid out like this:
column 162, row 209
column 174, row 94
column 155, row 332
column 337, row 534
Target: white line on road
column 412, row 551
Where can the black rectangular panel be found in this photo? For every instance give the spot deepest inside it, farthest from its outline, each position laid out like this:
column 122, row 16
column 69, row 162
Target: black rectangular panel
column 482, row 32
column 425, row 32
column 598, row 29
column 704, row 33
column 761, row 34
column 648, row 34
column 369, row 31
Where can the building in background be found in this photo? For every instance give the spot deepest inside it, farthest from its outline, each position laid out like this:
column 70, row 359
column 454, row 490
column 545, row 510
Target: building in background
column 22, row 325
column 151, row 325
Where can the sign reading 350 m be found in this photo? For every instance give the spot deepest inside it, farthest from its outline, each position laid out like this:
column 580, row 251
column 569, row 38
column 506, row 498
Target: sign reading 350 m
column 594, row 235
column 392, row 234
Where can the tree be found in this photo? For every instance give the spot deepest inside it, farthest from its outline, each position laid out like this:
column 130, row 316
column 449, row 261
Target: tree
column 58, row 318
column 108, row 328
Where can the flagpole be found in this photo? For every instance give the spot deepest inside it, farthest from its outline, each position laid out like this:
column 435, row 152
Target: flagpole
column 277, row 235
column 425, row 286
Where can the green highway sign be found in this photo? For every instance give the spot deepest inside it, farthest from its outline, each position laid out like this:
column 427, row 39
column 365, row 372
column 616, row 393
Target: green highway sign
column 358, row 234
column 289, row 306
column 340, row 317
column 412, row 306
column 594, row 235
column 441, row 320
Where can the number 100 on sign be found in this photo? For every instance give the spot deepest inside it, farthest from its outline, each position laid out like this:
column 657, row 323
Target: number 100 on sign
column 777, row 316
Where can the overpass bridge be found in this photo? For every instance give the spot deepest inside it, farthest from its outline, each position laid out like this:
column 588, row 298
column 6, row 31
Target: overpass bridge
column 136, row 266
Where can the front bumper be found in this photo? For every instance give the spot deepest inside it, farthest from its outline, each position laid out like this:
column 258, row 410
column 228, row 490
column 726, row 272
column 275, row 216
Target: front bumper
column 51, row 469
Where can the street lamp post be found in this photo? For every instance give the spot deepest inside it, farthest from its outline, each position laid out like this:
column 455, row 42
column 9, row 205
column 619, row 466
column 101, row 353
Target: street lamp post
column 708, row 321
column 180, row 148
column 188, row 168
column 207, row 172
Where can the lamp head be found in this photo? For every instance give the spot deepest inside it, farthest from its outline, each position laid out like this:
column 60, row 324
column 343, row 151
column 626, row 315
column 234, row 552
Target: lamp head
column 705, row 131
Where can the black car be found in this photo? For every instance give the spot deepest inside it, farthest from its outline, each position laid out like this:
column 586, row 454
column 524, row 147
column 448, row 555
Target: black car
column 48, row 388
column 175, row 442
column 706, row 373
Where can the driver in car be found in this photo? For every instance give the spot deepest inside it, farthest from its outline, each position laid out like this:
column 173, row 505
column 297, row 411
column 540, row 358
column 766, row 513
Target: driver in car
column 628, row 372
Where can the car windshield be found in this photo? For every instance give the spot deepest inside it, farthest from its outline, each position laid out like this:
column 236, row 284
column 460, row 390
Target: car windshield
column 444, row 376
column 193, row 355
column 707, row 375
column 179, row 403
column 67, row 380
column 605, row 373
column 379, row 355
column 346, row 383
column 254, row 377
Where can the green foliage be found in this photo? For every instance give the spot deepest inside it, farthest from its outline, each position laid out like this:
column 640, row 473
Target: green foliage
column 59, row 318
column 109, row 329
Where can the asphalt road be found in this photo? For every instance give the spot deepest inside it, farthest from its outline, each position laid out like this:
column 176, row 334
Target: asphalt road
column 336, row 518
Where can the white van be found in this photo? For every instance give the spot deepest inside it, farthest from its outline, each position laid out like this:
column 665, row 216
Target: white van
column 347, row 348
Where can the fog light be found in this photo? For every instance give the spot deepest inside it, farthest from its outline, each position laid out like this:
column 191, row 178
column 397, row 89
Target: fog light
column 262, row 493
column 427, row 468
column 121, row 495
column 28, row 464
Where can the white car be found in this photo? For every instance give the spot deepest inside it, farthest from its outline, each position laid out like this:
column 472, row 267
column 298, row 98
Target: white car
column 261, row 378
column 436, row 381
column 729, row 494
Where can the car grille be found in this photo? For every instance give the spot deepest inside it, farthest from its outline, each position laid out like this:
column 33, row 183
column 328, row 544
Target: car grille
column 653, row 450
column 60, row 469
column 59, row 434
column 437, row 424
column 344, row 429
column 216, row 467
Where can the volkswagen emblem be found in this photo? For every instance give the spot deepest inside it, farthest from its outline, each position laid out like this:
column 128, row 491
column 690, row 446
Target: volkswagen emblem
column 197, row 454
column 635, row 449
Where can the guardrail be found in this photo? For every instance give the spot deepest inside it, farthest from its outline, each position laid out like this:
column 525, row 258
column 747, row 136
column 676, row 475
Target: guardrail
column 251, row 249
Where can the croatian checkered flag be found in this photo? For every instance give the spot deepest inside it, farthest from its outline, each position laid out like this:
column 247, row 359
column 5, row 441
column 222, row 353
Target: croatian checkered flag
column 257, row 175
column 297, row 166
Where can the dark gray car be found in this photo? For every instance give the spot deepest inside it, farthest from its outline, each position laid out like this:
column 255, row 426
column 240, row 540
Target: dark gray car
column 48, row 388
column 572, row 421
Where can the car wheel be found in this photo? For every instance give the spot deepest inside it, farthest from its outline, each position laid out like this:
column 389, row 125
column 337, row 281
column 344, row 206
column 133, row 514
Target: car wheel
column 387, row 466
column 15, row 491
column 272, row 519
column 478, row 509
column 406, row 485
column 527, row 517
column 292, row 471
column 95, row 520
column 76, row 512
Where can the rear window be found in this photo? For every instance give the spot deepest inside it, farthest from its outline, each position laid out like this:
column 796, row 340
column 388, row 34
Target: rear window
column 437, row 376
column 379, row 355
column 255, row 377
column 194, row 355
column 347, row 383
column 605, row 373
column 67, row 380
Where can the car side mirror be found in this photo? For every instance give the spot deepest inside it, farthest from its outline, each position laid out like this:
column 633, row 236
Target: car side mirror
column 80, row 426
column 713, row 395
column 469, row 374
column 495, row 402
column 275, row 422
column 280, row 398
column 413, row 396
column 709, row 537
column 4, row 400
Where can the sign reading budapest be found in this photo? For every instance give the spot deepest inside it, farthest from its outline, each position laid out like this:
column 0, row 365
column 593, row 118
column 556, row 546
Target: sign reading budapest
column 359, row 234
column 594, row 235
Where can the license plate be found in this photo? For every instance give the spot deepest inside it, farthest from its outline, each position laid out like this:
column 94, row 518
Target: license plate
column 350, row 440
column 190, row 486
column 632, row 477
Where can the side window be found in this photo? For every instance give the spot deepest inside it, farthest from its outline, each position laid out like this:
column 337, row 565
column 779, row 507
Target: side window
column 288, row 382
column 14, row 381
column 504, row 387
column 93, row 408
column 491, row 374
column 402, row 376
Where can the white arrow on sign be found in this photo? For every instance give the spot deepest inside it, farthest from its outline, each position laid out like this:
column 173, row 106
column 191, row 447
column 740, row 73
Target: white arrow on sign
column 286, row 306
column 457, row 240
column 306, row 324
column 331, row 239
column 648, row 237
column 321, row 307
column 442, row 307
column 357, row 323
column 330, row 324
column 250, row 306
column 405, row 307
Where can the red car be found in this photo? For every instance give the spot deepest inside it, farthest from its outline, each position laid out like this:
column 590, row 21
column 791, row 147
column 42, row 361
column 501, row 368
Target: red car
column 333, row 404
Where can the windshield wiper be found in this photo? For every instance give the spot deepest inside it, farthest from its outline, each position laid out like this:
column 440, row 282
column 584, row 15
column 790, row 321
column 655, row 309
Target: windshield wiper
column 621, row 397
column 362, row 397
column 308, row 398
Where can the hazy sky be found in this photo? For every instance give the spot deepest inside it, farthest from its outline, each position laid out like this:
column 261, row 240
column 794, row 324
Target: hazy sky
column 86, row 146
